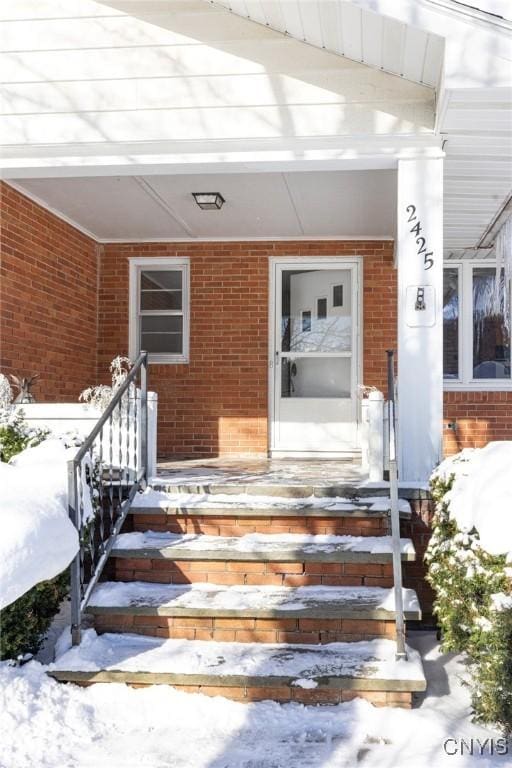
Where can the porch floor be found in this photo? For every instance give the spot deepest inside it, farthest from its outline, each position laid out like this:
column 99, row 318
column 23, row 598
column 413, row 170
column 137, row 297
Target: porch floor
column 263, row 471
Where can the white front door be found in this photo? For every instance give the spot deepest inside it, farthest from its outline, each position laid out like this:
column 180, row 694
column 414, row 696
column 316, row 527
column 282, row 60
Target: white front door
column 314, row 361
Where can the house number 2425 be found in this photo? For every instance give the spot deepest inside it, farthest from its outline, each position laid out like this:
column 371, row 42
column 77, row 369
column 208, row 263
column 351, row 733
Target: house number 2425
column 421, row 242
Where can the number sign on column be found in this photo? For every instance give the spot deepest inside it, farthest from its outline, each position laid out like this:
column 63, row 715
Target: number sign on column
column 421, row 242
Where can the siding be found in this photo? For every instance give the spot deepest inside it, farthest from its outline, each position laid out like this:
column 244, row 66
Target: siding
column 85, row 72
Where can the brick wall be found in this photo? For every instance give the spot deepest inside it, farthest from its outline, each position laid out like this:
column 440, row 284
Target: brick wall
column 480, row 417
column 218, row 402
column 48, row 299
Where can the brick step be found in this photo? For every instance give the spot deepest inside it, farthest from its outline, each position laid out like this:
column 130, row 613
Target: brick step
column 289, row 548
column 229, row 522
column 249, row 614
column 248, row 671
column 272, row 560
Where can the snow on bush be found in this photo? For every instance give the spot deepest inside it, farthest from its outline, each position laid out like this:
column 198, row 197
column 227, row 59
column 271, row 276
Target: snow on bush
column 467, row 567
column 15, row 433
column 100, row 396
column 480, row 495
column 38, row 541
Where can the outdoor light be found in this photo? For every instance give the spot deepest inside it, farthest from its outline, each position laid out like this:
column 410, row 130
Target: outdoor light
column 209, row 201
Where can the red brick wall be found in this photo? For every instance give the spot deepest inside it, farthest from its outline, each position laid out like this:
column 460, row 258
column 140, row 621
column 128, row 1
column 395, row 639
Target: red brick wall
column 479, row 416
column 218, row 402
column 48, row 299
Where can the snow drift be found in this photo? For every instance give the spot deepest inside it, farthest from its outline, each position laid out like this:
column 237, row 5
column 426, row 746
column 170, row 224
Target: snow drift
column 38, row 540
column 480, row 497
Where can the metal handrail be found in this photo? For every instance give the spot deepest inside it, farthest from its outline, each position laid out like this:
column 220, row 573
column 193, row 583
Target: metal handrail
column 117, row 485
column 401, row 653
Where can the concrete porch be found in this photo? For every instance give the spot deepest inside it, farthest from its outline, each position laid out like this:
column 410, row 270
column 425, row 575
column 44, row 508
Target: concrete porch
column 259, row 474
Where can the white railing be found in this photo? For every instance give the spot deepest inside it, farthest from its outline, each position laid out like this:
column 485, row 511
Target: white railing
column 64, row 418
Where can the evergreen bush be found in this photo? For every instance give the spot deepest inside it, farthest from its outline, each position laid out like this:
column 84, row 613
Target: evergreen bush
column 24, row 623
column 466, row 580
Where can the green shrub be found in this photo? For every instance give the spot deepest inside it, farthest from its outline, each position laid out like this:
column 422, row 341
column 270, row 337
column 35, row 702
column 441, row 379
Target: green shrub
column 492, row 668
column 465, row 577
column 24, row 623
column 16, row 435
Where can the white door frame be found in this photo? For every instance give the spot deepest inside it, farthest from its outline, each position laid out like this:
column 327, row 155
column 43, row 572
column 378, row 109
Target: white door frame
column 342, row 262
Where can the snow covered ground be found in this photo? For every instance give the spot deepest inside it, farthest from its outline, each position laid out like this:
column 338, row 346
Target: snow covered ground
column 45, row 725
column 38, row 539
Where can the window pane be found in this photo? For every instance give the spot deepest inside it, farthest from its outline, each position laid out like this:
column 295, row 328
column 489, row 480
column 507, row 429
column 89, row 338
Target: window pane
column 160, row 300
column 451, row 324
column 315, row 377
column 161, row 290
column 331, row 332
column 491, row 335
column 306, row 321
column 321, row 309
column 162, row 335
column 168, row 278
column 337, row 296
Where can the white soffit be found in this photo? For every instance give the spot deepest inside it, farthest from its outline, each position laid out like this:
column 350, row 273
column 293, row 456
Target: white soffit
column 356, row 33
column 356, row 204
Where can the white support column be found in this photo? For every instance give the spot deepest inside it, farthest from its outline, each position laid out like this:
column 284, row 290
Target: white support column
column 420, row 320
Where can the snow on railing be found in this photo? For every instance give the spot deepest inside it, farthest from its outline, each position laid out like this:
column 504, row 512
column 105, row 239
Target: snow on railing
column 103, row 478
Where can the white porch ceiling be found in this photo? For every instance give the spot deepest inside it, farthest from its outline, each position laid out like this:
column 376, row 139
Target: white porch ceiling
column 262, row 205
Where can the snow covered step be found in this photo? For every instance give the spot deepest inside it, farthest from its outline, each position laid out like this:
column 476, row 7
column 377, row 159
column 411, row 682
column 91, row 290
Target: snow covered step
column 242, row 484
column 153, row 500
column 247, row 671
column 289, row 548
column 256, row 601
column 249, row 613
column 237, row 514
column 289, row 560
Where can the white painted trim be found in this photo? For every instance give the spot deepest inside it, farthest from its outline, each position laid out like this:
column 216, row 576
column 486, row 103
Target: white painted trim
column 233, row 156
column 254, row 238
column 166, row 262
column 477, row 16
column 348, row 456
column 466, row 383
column 354, row 262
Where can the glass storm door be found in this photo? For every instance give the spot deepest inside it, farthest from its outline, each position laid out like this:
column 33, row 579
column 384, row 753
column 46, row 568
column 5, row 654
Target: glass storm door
column 314, row 357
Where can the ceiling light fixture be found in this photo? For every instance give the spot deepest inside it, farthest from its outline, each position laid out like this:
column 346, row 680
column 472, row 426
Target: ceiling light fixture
column 209, row 201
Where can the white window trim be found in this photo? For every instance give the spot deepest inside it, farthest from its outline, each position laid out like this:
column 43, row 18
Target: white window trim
column 137, row 263
column 466, row 383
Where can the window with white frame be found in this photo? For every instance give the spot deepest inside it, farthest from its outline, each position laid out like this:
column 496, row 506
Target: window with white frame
column 159, row 309
column 476, row 326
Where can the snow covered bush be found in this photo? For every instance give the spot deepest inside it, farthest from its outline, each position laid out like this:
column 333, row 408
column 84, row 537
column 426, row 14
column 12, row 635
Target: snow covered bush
column 15, row 433
column 37, row 543
column 101, row 395
column 466, row 578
